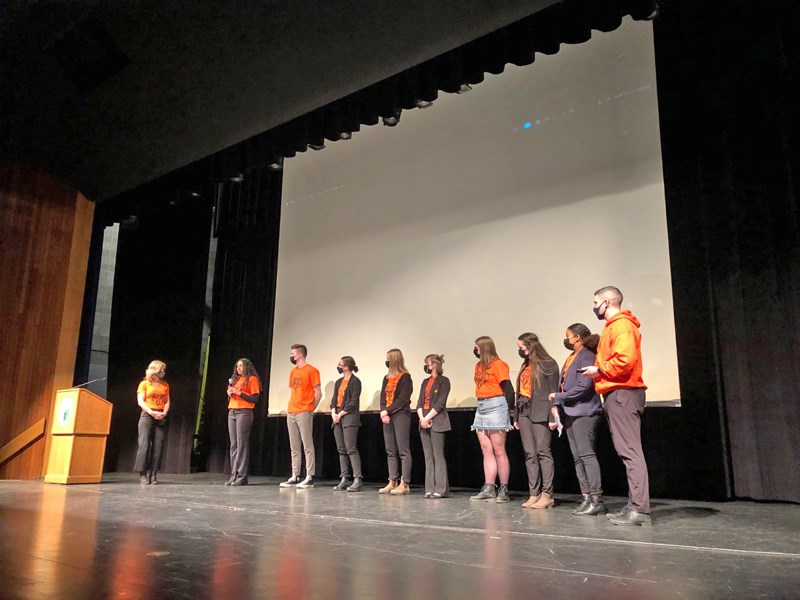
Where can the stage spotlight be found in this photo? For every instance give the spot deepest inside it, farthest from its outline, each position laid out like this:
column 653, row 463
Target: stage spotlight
column 129, row 223
column 194, row 194
column 345, row 135
column 276, row 165
column 317, row 146
column 237, row 178
column 424, row 103
column 464, row 88
column 392, row 120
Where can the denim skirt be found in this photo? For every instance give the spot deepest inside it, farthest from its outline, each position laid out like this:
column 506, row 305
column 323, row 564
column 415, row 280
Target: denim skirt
column 492, row 415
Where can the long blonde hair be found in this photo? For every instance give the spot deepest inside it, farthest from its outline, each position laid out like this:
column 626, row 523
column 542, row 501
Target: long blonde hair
column 396, row 362
column 155, row 366
column 487, row 350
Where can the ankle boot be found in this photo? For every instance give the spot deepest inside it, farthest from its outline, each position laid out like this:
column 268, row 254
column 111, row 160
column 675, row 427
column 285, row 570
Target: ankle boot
column 143, row 478
column 531, row 501
column 583, row 505
column 343, row 484
column 544, row 501
column 487, row 493
column 153, row 477
column 596, row 507
column 356, row 486
column 502, row 494
column 388, row 487
column 401, row 489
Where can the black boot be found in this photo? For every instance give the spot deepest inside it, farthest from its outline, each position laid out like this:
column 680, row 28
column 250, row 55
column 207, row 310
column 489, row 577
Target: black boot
column 596, row 507
column 583, row 505
column 357, row 485
column 343, row 484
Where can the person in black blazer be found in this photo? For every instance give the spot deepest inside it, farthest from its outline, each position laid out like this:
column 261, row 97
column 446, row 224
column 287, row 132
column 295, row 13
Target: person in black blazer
column 583, row 415
column 535, row 419
column 433, row 423
column 346, row 415
column 396, row 418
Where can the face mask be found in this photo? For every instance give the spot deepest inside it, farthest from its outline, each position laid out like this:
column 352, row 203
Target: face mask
column 161, row 374
column 597, row 314
column 521, row 353
column 476, row 352
column 340, row 370
column 386, row 363
column 568, row 345
column 427, row 369
column 293, row 360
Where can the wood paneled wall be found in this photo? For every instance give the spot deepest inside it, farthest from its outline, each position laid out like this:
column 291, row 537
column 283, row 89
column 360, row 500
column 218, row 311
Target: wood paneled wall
column 45, row 229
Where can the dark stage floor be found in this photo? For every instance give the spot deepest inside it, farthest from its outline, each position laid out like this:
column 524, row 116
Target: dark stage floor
column 192, row 537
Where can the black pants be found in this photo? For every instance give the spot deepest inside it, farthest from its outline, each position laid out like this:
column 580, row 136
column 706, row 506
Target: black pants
column 151, row 443
column 396, row 439
column 623, row 409
column 435, row 464
column 582, row 433
column 536, row 438
column 346, row 443
column 240, row 422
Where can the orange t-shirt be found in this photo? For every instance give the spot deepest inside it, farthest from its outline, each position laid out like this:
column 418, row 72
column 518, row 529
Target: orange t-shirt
column 391, row 388
column 570, row 358
column 340, row 395
column 156, row 394
column 525, row 385
column 302, row 381
column 246, row 385
column 487, row 381
column 426, row 403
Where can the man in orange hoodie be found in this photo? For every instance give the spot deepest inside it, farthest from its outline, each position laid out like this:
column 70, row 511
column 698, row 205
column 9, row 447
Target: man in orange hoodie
column 617, row 376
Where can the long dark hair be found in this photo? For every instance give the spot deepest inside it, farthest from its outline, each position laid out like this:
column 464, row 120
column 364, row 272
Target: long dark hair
column 248, row 368
column 537, row 356
column 588, row 339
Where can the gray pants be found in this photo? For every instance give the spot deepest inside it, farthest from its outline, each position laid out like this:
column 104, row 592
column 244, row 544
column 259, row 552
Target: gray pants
column 240, row 422
column 396, row 439
column 301, row 438
column 151, row 443
column 346, row 438
column 435, row 463
column 582, row 433
column 536, row 438
column 624, row 410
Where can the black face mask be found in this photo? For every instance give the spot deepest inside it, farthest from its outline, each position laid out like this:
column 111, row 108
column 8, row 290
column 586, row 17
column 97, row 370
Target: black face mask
column 596, row 310
column 476, row 353
column 293, row 360
column 386, row 363
column 568, row 345
column 427, row 369
column 340, row 370
column 521, row 353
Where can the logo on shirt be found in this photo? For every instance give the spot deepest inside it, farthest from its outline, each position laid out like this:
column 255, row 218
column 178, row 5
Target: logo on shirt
column 481, row 377
column 297, row 382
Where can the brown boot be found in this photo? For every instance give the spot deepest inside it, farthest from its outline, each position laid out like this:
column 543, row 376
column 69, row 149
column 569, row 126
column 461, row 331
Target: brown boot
column 531, row 501
column 389, row 487
column 544, row 501
column 401, row 490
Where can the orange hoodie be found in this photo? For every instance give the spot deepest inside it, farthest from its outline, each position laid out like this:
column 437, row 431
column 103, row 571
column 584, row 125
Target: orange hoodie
column 619, row 354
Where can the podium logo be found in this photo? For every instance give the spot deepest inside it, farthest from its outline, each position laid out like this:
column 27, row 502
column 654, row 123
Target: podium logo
column 64, row 412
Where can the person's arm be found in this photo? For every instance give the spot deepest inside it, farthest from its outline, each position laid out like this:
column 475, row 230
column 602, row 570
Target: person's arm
column 581, row 389
column 402, row 394
column 317, row 395
column 620, row 364
column 166, row 408
column 335, row 396
column 421, row 399
column 508, row 392
column 439, row 403
column 352, row 397
column 142, row 404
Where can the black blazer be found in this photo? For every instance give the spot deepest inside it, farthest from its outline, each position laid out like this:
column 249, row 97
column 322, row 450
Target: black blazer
column 538, row 409
column 439, row 392
column 350, row 402
column 579, row 398
column 402, row 395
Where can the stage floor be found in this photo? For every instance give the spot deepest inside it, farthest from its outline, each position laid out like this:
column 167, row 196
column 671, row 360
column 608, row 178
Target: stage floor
column 193, row 537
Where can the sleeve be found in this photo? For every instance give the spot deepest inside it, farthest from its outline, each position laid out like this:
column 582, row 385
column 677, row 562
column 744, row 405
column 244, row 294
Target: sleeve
column 508, row 392
column 383, row 393
column 142, row 389
column 402, row 395
column 314, row 378
column 335, row 394
column 421, row 400
column 620, row 364
column 253, row 390
column 583, row 385
column 439, row 404
column 352, row 396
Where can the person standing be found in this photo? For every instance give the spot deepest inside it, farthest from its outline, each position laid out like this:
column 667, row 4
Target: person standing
column 304, row 382
column 396, row 418
column 346, row 416
column 535, row 418
column 153, row 398
column 434, row 422
column 492, row 422
column 617, row 375
column 244, row 387
column 583, row 414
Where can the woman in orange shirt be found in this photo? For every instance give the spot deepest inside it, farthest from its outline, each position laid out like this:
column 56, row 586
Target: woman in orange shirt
column 244, row 387
column 153, row 398
column 496, row 400
column 396, row 419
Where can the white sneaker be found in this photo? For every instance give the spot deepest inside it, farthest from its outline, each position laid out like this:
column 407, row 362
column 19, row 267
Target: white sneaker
column 290, row 482
column 308, row 482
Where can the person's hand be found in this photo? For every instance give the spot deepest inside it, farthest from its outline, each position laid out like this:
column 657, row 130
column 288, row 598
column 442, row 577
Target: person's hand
column 551, row 397
column 424, row 423
column 385, row 419
column 552, row 426
column 592, row 372
column 516, row 425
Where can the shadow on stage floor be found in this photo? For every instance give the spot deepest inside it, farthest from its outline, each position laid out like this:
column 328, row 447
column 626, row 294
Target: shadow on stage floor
column 192, row 537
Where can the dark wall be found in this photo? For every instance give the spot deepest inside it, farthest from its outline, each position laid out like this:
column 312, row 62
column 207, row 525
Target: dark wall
column 157, row 313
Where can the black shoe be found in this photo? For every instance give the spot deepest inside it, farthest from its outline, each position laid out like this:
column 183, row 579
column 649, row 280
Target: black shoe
column 291, row 481
column 487, row 493
column 238, row 482
column 620, row 513
column 502, row 494
column 583, row 505
column 343, row 484
column 308, row 482
column 596, row 507
column 633, row 518
column 356, row 485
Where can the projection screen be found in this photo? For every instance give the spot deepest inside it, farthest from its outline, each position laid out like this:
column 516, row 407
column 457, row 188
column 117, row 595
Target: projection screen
column 494, row 212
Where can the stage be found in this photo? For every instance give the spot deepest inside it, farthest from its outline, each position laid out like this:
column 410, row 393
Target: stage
column 193, row 537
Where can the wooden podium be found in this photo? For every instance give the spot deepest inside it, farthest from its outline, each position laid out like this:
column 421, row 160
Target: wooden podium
column 80, row 425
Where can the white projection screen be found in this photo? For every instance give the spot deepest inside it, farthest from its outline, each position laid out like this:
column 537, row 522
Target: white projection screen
column 494, row 212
